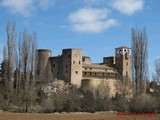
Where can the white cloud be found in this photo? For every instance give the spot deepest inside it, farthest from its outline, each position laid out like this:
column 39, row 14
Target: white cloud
column 91, row 20
column 45, row 4
column 128, row 7
column 26, row 7
column 23, row 7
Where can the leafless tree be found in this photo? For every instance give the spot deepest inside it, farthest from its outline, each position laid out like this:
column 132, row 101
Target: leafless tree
column 18, row 67
column 156, row 75
column 102, row 96
column 24, row 75
column 124, row 87
column 27, row 68
column 139, row 58
column 9, row 57
column 33, row 57
column 3, row 72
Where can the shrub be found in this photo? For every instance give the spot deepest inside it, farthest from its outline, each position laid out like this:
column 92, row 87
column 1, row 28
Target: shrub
column 144, row 103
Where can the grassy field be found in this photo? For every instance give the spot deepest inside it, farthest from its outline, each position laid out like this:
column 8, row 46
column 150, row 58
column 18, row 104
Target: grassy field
column 73, row 116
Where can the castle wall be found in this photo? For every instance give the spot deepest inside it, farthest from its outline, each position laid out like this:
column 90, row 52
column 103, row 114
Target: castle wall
column 55, row 65
column 93, row 84
column 65, row 66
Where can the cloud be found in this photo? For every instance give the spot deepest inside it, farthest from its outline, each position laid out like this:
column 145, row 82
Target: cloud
column 128, row 7
column 23, row 7
column 45, row 4
column 91, row 20
column 26, row 7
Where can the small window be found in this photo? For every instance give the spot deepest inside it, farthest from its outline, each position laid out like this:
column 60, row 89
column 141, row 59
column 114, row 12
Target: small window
column 83, row 59
column 126, row 63
column 90, row 68
column 85, row 68
column 79, row 62
column 73, row 61
column 126, row 73
column 66, row 71
column 126, row 56
column 66, row 66
column 54, row 65
column 76, row 72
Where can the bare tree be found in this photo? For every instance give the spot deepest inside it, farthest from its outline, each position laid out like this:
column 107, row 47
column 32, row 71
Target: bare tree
column 139, row 58
column 9, row 58
column 28, row 47
column 102, row 96
column 3, row 71
column 156, row 75
column 33, row 57
column 124, row 87
column 25, row 69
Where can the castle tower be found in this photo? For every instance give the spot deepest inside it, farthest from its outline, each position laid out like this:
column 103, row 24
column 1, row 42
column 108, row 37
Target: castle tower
column 123, row 61
column 72, row 66
column 42, row 61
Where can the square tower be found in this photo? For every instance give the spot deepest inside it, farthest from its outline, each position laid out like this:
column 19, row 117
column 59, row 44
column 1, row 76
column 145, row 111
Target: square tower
column 123, row 61
column 72, row 66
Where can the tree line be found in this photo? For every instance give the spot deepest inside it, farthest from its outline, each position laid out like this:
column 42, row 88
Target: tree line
column 18, row 67
column 19, row 90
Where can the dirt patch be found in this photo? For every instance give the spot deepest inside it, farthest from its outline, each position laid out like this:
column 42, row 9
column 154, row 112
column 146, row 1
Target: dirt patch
column 72, row 116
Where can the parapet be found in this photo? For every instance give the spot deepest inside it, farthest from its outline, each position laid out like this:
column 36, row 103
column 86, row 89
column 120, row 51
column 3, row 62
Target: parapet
column 109, row 60
column 86, row 60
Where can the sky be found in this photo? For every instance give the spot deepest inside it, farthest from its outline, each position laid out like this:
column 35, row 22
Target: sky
column 96, row 26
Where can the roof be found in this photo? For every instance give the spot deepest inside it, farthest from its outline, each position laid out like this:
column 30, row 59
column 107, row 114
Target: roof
column 122, row 47
column 85, row 57
column 43, row 50
column 71, row 49
column 103, row 66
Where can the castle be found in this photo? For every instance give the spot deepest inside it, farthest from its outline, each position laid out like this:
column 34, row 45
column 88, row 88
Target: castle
column 76, row 69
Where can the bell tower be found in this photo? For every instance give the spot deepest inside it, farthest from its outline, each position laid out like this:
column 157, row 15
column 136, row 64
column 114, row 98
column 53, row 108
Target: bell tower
column 123, row 61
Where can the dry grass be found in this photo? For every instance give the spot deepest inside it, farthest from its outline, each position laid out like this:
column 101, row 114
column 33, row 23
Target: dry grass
column 72, row 116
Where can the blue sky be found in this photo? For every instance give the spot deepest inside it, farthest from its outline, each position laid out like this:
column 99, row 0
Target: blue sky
column 96, row 26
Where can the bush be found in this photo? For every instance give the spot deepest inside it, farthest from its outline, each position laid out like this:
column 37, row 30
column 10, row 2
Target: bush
column 144, row 103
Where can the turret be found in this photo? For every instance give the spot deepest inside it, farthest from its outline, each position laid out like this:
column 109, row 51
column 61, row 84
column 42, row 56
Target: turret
column 42, row 58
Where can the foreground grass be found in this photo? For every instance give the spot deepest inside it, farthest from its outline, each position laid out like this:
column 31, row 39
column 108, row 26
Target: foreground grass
column 72, row 116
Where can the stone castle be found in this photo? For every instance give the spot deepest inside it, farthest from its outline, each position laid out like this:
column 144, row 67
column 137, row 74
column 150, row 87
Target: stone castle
column 76, row 69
